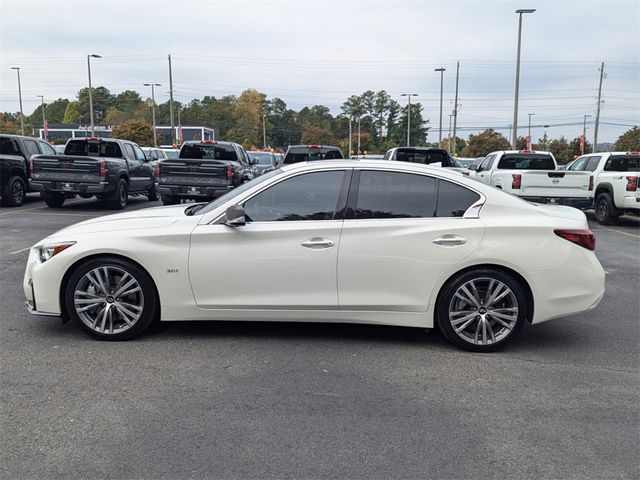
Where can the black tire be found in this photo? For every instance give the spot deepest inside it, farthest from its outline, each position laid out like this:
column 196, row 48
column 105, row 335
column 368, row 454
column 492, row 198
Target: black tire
column 152, row 193
column 448, row 301
column 15, row 192
column 53, row 199
column 606, row 212
column 170, row 200
column 120, row 196
column 148, row 292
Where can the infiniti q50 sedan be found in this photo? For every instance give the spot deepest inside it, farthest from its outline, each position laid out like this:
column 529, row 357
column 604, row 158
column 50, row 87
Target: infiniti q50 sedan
column 376, row 242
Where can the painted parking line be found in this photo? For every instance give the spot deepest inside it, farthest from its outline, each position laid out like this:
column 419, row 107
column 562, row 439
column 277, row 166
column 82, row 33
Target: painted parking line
column 617, row 231
column 19, row 251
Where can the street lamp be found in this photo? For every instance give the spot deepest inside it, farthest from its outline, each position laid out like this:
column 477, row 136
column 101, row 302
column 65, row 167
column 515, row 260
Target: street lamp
column 584, row 134
column 441, row 70
column 153, row 109
column 44, row 119
column 515, row 104
column 409, row 95
column 17, row 69
column 93, row 130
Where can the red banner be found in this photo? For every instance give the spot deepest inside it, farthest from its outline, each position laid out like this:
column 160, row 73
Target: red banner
column 581, row 144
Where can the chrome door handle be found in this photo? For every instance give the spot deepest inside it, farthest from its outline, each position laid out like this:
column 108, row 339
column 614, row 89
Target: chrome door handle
column 318, row 243
column 449, row 241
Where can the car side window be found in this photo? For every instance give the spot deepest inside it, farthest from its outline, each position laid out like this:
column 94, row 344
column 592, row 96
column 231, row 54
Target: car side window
column 454, row 199
column 395, row 195
column 9, row 146
column 46, row 148
column 139, row 154
column 311, row 196
column 129, row 151
column 592, row 164
column 31, row 147
column 486, row 163
column 579, row 164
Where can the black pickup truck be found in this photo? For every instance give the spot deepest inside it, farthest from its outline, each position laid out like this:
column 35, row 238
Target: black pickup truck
column 15, row 153
column 202, row 171
column 107, row 168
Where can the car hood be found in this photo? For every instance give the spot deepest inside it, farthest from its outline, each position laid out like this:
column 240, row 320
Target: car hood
column 157, row 217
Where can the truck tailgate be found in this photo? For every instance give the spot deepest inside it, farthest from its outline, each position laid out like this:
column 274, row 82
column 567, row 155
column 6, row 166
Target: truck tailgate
column 193, row 172
column 554, row 183
column 66, row 168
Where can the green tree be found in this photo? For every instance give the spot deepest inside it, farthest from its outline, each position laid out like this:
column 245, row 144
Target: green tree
column 9, row 123
column 317, row 135
column 247, row 117
column 485, row 142
column 114, row 116
column 561, row 150
column 54, row 113
column 135, row 131
column 629, row 141
column 102, row 99
column 419, row 129
column 460, row 144
column 574, row 147
column 127, row 101
column 71, row 114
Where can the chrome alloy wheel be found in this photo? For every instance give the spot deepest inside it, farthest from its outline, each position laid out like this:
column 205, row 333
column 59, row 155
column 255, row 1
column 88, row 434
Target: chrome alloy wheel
column 108, row 300
column 483, row 311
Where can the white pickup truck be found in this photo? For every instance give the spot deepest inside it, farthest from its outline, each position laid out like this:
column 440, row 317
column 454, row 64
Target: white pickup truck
column 534, row 176
column 615, row 179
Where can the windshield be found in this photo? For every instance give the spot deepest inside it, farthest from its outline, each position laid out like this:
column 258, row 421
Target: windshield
column 261, row 158
column 526, row 161
column 237, row 191
column 84, row 148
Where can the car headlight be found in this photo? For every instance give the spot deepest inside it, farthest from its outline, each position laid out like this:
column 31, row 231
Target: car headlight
column 45, row 252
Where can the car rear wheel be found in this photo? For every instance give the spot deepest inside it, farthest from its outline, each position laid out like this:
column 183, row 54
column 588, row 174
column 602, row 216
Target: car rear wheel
column 606, row 213
column 15, row 192
column 53, row 199
column 152, row 194
column 111, row 298
column 481, row 310
column 120, row 196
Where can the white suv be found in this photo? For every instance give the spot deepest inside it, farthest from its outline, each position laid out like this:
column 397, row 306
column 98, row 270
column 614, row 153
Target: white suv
column 615, row 183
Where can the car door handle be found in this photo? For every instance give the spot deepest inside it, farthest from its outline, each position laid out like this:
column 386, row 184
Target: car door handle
column 318, row 243
column 449, row 240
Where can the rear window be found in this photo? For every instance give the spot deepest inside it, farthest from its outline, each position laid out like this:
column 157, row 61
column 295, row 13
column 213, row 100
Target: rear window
column 623, row 163
column 84, row 148
column 425, row 157
column 210, row 152
column 304, row 154
column 526, row 161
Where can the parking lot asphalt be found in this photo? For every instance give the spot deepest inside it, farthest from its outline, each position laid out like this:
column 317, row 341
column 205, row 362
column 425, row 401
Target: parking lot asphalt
column 270, row 400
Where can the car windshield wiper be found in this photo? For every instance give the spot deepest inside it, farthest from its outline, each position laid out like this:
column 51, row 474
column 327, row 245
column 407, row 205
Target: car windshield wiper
column 193, row 208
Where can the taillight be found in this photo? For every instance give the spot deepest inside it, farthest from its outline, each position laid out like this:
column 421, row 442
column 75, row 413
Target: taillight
column 157, row 169
column 229, row 172
column 584, row 238
column 31, row 168
column 103, row 169
column 516, row 181
column 632, row 184
column 590, row 183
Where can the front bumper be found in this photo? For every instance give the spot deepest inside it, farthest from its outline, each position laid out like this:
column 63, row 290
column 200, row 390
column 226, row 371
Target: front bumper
column 70, row 187
column 578, row 202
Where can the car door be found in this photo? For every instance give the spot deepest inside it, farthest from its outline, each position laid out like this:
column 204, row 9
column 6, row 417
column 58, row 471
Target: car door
column 284, row 257
column 483, row 173
column 143, row 169
column 403, row 231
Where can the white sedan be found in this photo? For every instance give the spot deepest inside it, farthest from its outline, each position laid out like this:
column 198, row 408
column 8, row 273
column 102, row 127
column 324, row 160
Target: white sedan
column 375, row 242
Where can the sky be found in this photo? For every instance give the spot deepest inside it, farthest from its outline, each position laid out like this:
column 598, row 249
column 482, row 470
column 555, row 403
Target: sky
column 321, row 52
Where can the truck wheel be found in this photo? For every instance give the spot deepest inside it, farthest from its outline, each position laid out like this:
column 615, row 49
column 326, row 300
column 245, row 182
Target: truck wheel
column 53, row 199
column 120, row 196
column 14, row 192
column 170, row 200
column 152, row 194
column 606, row 213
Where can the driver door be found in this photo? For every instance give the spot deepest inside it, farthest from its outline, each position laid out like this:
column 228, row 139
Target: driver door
column 285, row 257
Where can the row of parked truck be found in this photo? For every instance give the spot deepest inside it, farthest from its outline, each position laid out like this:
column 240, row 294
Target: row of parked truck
column 113, row 169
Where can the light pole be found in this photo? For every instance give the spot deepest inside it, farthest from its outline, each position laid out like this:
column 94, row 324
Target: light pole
column 358, row 152
column 93, row 130
column 264, row 133
column 350, row 142
column 409, row 95
column 153, row 109
column 515, row 104
column 441, row 70
column 17, row 69
column 529, row 134
column 44, row 119
column 584, row 134
column 450, row 116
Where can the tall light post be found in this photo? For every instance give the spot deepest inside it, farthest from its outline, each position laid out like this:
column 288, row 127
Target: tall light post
column 93, row 130
column 264, row 132
column 441, row 70
column 17, row 69
column 350, row 141
column 529, row 134
column 584, row 135
column 515, row 104
column 358, row 152
column 44, row 119
column 409, row 95
column 153, row 109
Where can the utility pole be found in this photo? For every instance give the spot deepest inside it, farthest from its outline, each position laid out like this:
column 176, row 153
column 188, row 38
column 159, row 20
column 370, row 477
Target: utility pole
column 409, row 95
column 595, row 127
column 153, row 109
column 584, row 134
column 455, row 110
column 350, row 143
column 449, row 143
column 264, row 133
column 44, row 119
column 173, row 130
column 529, row 134
column 441, row 70
column 93, row 129
column 17, row 69
column 514, row 141
column 358, row 152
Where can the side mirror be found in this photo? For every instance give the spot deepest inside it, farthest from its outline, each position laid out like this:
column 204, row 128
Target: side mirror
column 235, row 216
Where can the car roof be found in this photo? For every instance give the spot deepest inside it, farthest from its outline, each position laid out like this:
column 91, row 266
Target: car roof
column 374, row 164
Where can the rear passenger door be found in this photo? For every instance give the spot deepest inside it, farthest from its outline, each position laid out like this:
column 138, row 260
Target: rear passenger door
column 403, row 232
column 144, row 168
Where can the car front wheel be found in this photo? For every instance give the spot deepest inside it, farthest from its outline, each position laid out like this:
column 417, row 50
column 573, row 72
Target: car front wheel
column 481, row 310
column 111, row 298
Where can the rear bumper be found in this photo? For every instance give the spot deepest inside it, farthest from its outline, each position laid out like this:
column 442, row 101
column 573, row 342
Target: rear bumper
column 576, row 202
column 186, row 191
column 631, row 203
column 70, row 187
